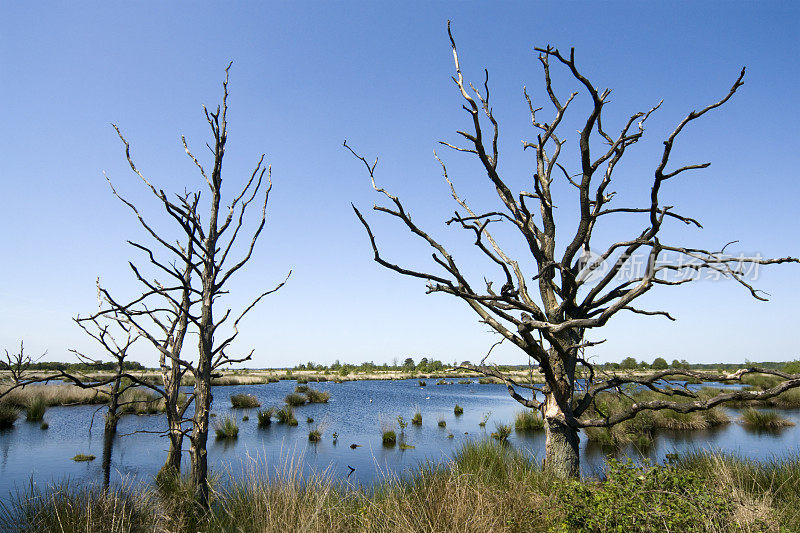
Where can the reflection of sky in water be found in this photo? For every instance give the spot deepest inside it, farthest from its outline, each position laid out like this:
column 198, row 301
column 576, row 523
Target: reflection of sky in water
column 28, row 452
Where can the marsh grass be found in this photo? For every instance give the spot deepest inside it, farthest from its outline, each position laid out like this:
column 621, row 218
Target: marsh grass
column 295, row 400
column 318, row 396
column 458, row 410
column 441, row 422
column 285, row 415
column 501, row 432
column 8, row 415
column 422, row 383
column 265, row 416
column 227, row 428
column 485, row 418
column 485, row 487
column 416, row 420
column 244, row 401
column 315, row 434
column 764, row 420
column 54, row 395
column 82, row 458
column 528, row 420
column 139, row 401
column 35, row 409
column 388, row 437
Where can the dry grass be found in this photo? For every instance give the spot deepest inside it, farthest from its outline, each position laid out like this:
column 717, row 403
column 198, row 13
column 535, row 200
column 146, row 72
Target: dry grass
column 62, row 394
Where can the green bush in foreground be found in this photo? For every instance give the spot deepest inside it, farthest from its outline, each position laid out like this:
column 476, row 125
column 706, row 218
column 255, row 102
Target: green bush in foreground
column 646, row 498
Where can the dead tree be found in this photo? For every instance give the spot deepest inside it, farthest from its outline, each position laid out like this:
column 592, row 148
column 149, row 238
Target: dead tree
column 18, row 366
column 207, row 265
column 548, row 303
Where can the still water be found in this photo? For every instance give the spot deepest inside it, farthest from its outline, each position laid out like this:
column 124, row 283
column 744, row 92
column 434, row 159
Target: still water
column 356, row 411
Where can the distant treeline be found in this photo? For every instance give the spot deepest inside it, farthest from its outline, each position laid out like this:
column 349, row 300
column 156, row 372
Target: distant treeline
column 55, row 366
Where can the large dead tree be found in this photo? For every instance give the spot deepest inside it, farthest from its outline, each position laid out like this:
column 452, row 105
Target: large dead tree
column 549, row 302
column 201, row 270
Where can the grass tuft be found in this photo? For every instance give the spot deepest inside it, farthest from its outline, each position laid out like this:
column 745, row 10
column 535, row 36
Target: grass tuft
column 458, row 410
column 244, row 401
column 441, row 422
column 416, row 420
column 389, row 438
column 295, row 399
column 502, row 432
column 265, row 416
column 318, row 396
column 8, row 415
column 528, row 420
column 35, row 409
column 767, row 420
column 81, row 458
column 227, row 428
column 285, row 415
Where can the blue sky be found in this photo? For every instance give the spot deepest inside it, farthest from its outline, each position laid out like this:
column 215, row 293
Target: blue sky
column 305, row 77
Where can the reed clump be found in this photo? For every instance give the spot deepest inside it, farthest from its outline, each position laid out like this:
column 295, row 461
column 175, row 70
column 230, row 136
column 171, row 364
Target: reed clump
column 501, row 432
column 35, row 409
column 318, row 396
column 389, row 438
column 82, row 458
column 416, row 420
column 265, row 416
column 285, row 415
column 227, row 428
column 244, row 401
column 8, row 415
column 296, row 400
column 765, row 420
column 458, row 410
column 528, row 420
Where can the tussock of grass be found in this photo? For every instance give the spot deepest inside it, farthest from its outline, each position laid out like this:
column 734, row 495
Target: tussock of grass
column 441, row 422
column 35, row 409
column 301, row 389
column 296, row 400
column 389, row 438
column 488, row 381
column 756, row 419
column 422, row 383
column 465, row 382
column 458, row 410
column 318, row 396
column 315, row 435
column 140, row 401
column 528, row 420
column 81, row 458
column 227, row 428
column 8, row 415
column 244, row 401
column 285, row 415
column 265, row 416
column 501, row 432
column 416, row 420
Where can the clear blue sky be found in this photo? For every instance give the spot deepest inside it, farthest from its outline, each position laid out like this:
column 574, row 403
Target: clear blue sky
column 308, row 75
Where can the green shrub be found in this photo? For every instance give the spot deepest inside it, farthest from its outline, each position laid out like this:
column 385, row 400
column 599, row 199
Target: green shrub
column 35, row 409
column 8, row 415
column 244, row 401
column 528, row 420
column 458, row 410
column 645, row 498
column 227, row 429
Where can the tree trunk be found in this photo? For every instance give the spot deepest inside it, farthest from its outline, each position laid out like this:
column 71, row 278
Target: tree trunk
column 197, row 451
column 561, row 449
column 175, row 444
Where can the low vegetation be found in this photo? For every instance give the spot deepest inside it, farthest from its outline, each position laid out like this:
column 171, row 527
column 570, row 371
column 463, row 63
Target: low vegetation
column 244, row 401
column 486, row 487
column 8, row 415
column 285, row 415
column 501, row 432
column 265, row 416
column 227, row 428
column 416, row 420
column 458, row 410
column 318, row 396
column 295, row 400
column 441, row 423
column 35, row 409
column 82, row 458
column 315, row 435
column 765, row 420
column 528, row 420
column 389, row 437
